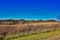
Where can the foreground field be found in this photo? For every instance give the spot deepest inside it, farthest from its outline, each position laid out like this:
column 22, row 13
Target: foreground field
column 52, row 35
column 31, row 31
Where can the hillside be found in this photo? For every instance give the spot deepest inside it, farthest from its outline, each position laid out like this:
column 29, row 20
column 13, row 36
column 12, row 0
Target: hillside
column 53, row 35
column 29, row 31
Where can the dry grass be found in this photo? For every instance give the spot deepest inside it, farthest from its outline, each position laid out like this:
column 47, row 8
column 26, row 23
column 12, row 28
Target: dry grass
column 33, row 28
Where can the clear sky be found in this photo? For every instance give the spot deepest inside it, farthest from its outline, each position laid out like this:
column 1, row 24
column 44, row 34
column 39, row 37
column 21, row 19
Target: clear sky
column 29, row 9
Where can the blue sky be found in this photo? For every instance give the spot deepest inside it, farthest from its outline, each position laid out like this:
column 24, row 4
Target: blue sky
column 29, row 9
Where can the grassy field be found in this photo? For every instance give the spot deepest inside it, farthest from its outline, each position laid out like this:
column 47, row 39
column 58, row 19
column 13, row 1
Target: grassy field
column 52, row 35
column 33, row 31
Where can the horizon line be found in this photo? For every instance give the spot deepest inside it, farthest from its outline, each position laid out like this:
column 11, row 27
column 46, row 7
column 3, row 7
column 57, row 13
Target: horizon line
column 27, row 19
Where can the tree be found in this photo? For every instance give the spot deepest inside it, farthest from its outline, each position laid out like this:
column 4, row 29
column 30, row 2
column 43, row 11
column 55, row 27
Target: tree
column 30, row 21
column 39, row 21
column 50, row 20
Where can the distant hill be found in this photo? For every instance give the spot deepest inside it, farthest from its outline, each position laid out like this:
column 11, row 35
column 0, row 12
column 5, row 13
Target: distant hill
column 22, row 21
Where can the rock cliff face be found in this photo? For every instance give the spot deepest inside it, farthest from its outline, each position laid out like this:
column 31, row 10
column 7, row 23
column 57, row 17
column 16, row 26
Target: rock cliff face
column 28, row 28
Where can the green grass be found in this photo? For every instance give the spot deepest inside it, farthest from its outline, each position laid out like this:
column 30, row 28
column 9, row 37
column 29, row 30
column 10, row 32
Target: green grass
column 38, row 36
column 41, row 36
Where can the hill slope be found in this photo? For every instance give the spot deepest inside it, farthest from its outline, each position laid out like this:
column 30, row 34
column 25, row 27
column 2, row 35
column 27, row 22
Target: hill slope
column 52, row 35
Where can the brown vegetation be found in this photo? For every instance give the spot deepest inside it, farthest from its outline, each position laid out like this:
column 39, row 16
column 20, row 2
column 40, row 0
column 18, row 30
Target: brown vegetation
column 28, row 28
